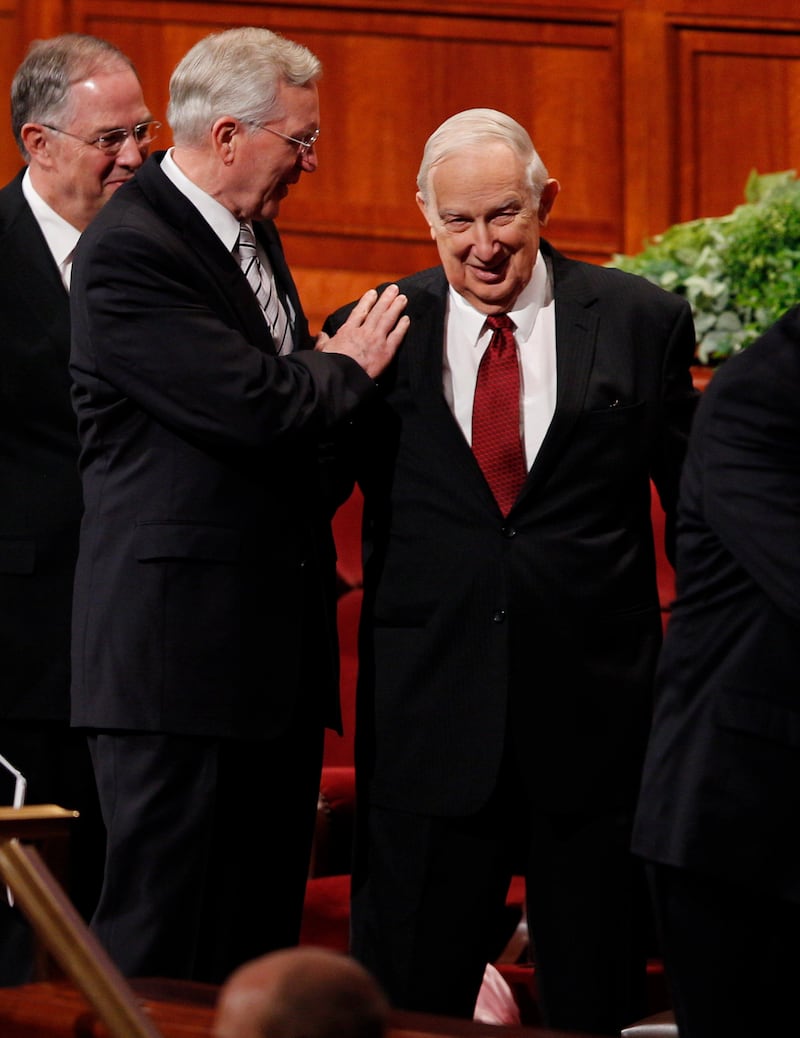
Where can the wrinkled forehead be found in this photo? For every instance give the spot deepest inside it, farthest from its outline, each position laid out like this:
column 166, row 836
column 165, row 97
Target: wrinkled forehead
column 479, row 178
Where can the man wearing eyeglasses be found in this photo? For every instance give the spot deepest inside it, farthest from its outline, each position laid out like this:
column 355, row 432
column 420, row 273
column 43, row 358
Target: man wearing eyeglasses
column 83, row 128
column 205, row 655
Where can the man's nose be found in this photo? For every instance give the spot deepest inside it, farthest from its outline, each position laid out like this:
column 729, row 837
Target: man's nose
column 308, row 160
column 482, row 238
column 131, row 154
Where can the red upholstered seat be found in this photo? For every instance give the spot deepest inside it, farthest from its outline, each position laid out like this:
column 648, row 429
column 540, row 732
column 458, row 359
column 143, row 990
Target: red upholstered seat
column 347, row 536
column 665, row 575
column 339, row 748
column 326, row 913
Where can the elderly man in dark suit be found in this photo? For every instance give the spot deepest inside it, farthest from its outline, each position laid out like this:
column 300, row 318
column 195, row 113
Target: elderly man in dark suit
column 720, row 798
column 204, row 640
column 511, row 622
column 83, row 128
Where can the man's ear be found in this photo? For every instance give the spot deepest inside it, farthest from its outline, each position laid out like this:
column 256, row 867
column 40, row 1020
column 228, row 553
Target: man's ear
column 548, row 197
column 424, row 210
column 224, row 137
column 36, row 142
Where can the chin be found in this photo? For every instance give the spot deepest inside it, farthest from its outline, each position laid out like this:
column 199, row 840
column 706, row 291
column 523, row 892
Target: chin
column 493, row 302
column 112, row 185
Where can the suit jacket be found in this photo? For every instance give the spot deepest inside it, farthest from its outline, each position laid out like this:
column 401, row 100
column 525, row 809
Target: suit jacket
column 545, row 624
column 40, row 494
column 721, row 787
column 205, row 578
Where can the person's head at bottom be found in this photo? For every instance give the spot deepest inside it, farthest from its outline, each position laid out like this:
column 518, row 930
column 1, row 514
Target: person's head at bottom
column 301, row 993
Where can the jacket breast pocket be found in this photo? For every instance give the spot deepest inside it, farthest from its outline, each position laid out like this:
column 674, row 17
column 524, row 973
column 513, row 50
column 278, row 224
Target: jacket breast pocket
column 616, row 413
column 607, row 441
column 156, row 540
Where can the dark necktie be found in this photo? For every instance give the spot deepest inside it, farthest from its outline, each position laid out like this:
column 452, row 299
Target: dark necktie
column 496, row 441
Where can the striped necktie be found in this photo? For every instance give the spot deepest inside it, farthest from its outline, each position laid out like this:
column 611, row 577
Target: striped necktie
column 263, row 285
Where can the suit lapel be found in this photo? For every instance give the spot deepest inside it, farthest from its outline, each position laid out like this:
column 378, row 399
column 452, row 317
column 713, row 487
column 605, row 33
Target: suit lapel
column 270, row 240
column 207, row 250
column 33, row 277
column 424, row 348
column 576, row 329
column 425, row 358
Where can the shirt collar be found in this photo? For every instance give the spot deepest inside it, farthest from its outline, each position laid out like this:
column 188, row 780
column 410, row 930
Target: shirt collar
column 536, row 294
column 221, row 220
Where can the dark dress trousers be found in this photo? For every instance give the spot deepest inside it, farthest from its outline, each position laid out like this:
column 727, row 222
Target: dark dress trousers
column 720, row 798
column 40, row 510
column 506, row 664
column 204, row 642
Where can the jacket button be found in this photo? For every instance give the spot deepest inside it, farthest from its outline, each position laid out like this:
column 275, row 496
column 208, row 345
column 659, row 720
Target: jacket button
column 499, row 616
column 509, row 531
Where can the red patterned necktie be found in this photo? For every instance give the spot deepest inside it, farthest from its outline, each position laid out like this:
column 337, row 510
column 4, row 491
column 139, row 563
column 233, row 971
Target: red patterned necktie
column 496, row 441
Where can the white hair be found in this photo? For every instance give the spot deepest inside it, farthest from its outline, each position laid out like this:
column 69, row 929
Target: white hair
column 236, row 72
column 475, row 127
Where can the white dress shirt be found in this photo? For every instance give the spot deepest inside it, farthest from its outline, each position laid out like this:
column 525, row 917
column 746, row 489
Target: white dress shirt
column 60, row 235
column 466, row 338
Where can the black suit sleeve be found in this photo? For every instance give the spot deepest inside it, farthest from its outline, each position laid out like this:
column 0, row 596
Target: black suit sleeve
column 159, row 323
column 678, row 405
column 749, row 442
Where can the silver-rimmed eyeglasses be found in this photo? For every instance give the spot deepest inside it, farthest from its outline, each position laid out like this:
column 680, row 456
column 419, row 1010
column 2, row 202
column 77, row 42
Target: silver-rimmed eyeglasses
column 304, row 144
column 112, row 141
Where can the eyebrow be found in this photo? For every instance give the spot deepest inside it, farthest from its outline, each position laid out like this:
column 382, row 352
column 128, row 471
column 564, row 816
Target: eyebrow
column 110, row 129
column 508, row 203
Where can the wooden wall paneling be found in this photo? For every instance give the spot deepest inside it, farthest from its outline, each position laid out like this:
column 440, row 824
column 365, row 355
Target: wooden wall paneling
column 21, row 22
column 390, row 78
column 647, row 111
column 650, row 155
column 39, row 19
column 739, row 109
column 560, row 81
column 10, row 160
column 154, row 35
column 749, row 13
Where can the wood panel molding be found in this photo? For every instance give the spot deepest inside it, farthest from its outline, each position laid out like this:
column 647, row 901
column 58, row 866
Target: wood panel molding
column 739, row 110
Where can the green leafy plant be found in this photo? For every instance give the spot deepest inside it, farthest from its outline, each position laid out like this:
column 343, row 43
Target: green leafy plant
column 739, row 272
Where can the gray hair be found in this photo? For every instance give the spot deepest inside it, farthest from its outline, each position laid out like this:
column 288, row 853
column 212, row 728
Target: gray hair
column 236, row 72
column 40, row 90
column 475, row 127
